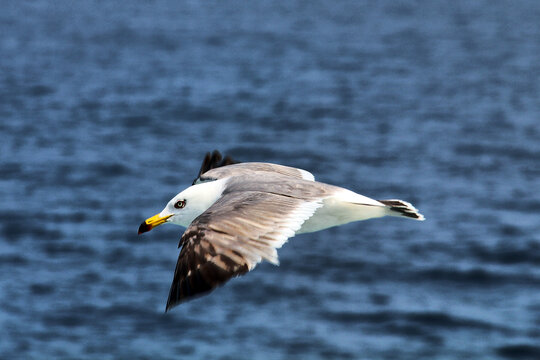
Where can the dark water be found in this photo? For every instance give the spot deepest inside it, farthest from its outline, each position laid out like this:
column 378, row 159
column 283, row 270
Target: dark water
column 107, row 109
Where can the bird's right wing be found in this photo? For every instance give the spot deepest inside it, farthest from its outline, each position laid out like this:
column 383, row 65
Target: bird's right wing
column 211, row 161
column 215, row 167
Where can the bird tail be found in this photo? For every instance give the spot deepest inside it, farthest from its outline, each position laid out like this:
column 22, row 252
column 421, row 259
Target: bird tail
column 402, row 208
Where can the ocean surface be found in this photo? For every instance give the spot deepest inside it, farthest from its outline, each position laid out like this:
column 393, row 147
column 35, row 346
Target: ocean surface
column 108, row 107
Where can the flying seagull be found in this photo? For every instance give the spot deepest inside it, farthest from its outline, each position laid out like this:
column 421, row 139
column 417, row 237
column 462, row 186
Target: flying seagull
column 238, row 214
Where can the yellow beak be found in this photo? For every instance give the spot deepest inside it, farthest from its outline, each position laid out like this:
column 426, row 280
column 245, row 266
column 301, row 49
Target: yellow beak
column 152, row 222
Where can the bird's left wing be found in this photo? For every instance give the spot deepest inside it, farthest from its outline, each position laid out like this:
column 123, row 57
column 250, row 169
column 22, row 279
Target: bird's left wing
column 232, row 237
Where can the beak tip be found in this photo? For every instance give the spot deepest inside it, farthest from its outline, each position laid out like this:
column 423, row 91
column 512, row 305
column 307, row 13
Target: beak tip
column 152, row 222
column 144, row 228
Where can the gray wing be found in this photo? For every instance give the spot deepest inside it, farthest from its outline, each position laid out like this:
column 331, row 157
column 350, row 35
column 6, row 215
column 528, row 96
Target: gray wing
column 232, row 237
column 253, row 168
column 211, row 161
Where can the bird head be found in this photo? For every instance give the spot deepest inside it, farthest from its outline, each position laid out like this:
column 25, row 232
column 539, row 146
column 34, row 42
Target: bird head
column 185, row 206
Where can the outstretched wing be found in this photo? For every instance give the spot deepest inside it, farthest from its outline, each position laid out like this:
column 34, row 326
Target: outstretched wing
column 216, row 167
column 213, row 160
column 232, row 237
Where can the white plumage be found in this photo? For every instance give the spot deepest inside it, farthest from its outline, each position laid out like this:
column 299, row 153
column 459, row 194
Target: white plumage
column 239, row 214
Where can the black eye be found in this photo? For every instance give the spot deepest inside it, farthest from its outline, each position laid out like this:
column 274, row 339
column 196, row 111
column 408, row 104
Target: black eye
column 180, row 204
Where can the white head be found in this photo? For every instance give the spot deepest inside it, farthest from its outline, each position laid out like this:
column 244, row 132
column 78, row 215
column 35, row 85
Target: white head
column 186, row 206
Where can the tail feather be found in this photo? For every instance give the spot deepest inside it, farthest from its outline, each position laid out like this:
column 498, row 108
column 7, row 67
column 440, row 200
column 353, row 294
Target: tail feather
column 402, row 208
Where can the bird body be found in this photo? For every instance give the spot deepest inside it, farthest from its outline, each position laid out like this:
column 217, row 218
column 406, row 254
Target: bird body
column 240, row 214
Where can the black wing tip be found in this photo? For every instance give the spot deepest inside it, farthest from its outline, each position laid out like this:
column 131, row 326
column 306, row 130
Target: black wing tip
column 171, row 305
column 191, row 283
column 174, row 302
column 187, row 289
column 214, row 160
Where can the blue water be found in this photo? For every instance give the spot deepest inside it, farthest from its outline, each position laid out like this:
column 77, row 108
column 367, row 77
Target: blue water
column 107, row 108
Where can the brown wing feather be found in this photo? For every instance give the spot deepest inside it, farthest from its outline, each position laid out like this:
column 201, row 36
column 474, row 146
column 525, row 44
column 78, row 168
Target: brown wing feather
column 232, row 237
column 200, row 268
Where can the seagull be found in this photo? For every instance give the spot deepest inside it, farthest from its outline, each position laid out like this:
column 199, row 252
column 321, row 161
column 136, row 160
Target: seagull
column 238, row 214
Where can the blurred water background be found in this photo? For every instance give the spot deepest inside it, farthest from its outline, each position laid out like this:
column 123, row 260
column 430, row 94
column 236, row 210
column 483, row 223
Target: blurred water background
column 108, row 107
